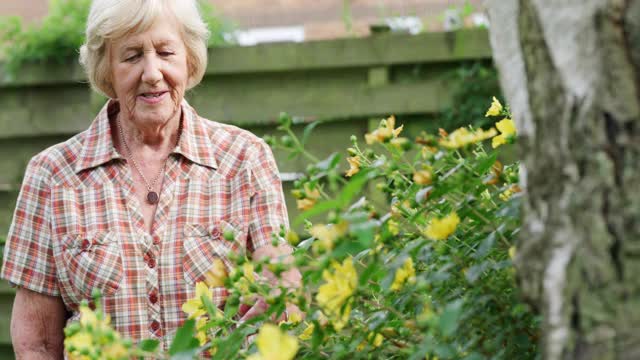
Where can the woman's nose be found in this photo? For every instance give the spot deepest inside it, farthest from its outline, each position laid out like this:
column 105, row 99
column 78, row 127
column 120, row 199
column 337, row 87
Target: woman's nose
column 152, row 72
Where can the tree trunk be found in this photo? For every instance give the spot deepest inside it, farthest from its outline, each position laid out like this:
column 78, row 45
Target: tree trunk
column 570, row 70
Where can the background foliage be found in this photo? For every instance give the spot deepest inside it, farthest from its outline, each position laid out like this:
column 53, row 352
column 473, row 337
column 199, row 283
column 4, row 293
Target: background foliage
column 60, row 34
column 472, row 84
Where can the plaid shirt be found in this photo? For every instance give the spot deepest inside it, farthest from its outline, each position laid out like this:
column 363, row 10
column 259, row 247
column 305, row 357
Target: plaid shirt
column 78, row 226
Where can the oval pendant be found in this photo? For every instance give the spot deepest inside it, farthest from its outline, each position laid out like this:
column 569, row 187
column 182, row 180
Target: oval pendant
column 152, row 197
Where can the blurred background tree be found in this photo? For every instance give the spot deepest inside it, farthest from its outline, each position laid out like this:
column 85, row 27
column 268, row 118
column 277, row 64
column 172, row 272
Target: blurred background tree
column 572, row 82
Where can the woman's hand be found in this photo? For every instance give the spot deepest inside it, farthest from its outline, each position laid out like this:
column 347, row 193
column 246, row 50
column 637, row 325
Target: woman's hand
column 291, row 279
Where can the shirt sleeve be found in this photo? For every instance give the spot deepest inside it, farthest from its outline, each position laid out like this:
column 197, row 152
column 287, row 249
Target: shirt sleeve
column 268, row 210
column 28, row 255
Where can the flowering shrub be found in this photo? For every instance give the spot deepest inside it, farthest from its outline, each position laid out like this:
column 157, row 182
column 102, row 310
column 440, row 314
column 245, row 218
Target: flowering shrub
column 408, row 256
column 93, row 338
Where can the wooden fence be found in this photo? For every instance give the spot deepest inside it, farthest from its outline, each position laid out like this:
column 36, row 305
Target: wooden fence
column 346, row 82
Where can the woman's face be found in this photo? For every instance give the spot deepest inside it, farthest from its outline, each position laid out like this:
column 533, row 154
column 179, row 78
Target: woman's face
column 149, row 73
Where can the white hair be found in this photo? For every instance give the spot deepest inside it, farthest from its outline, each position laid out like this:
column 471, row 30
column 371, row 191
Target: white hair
column 113, row 19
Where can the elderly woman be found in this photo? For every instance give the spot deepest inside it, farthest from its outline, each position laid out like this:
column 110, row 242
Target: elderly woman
column 136, row 206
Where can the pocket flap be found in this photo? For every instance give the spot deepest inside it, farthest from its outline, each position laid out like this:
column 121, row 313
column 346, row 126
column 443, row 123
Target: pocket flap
column 84, row 241
column 192, row 230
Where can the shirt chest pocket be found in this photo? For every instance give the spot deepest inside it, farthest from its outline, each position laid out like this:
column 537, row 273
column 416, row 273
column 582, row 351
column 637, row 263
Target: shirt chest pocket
column 203, row 245
column 93, row 262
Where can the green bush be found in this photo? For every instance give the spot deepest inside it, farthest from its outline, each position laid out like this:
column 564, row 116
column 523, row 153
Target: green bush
column 409, row 257
column 61, row 33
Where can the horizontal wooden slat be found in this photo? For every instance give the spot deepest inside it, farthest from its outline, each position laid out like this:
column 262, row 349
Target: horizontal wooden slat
column 384, row 49
column 330, row 99
column 51, row 111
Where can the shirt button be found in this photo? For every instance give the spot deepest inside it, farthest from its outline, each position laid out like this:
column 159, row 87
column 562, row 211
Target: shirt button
column 153, row 297
column 85, row 244
column 151, row 263
column 156, row 240
column 155, row 325
column 215, row 233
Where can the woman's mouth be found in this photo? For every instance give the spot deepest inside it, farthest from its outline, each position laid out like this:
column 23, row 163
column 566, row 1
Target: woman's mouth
column 152, row 97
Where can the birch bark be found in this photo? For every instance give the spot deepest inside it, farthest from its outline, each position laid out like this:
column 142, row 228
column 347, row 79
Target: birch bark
column 570, row 70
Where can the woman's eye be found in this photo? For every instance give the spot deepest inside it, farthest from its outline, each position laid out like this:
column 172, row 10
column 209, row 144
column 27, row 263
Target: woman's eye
column 165, row 53
column 132, row 57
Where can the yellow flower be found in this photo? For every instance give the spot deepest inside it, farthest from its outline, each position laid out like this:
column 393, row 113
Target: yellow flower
column 391, row 124
column 340, row 319
column 307, row 332
column 88, row 317
column 505, row 195
column 394, row 229
column 194, row 307
column 422, row 177
column 354, row 165
column 378, row 338
column 426, row 314
column 217, row 274
column 374, row 338
column 512, row 252
column 79, row 341
column 326, row 235
column 305, row 204
column 440, row 229
column 338, row 289
column 309, row 199
column 463, row 137
column 201, row 333
column 95, row 338
column 249, row 272
column 427, row 151
column 371, row 138
column 274, row 344
column 248, row 278
column 294, row 318
column 292, row 237
column 400, row 142
column 406, row 273
column 115, row 351
column 495, row 109
column 384, row 132
column 507, row 131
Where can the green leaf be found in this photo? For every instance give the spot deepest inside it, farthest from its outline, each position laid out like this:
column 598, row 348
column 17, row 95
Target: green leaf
column 445, row 351
column 486, row 246
column 474, row 272
column 317, row 338
column 184, row 340
column 348, row 247
column 228, row 349
column 307, row 132
column 449, row 318
column 329, row 163
column 149, row 345
column 212, row 310
column 373, row 271
column 474, row 356
column 230, row 310
column 354, row 186
column 317, row 209
column 486, row 163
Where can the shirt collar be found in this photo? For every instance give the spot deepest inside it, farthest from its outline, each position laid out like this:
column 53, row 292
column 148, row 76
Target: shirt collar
column 98, row 148
column 195, row 138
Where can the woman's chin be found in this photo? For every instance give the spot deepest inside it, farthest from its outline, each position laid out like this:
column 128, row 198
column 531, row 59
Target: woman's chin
column 158, row 114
